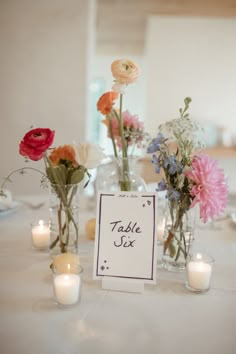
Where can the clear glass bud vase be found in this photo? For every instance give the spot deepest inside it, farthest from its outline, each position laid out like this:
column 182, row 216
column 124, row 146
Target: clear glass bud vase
column 120, row 174
column 178, row 236
column 64, row 218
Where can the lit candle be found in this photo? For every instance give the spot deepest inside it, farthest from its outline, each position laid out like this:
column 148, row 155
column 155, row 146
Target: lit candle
column 67, row 288
column 199, row 270
column 160, row 230
column 40, row 235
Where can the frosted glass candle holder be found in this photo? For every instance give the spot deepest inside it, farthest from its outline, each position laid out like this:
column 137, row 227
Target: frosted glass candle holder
column 199, row 272
column 40, row 235
column 67, row 283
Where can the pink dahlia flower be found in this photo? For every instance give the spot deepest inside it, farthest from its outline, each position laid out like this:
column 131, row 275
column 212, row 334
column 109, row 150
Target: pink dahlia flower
column 210, row 189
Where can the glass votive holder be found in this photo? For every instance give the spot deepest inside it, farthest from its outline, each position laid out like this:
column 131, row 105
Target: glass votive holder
column 67, row 283
column 160, row 230
column 161, row 216
column 199, row 272
column 40, row 235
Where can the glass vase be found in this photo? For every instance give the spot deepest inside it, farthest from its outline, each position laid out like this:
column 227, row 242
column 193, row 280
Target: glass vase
column 178, row 236
column 64, row 218
column 120, row 174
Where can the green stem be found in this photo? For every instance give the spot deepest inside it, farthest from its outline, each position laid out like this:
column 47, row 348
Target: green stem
column 63, row 199
column 125, row 183
column 124, row 146
column 112, row 135
column 7, row 179
column 177, row 226
column 74, row 190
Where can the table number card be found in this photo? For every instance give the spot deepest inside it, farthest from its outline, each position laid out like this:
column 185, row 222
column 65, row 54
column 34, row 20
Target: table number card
column 125, row 243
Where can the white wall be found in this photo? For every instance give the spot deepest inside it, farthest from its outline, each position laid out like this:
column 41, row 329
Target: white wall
column 45, row 69
column 193, row 57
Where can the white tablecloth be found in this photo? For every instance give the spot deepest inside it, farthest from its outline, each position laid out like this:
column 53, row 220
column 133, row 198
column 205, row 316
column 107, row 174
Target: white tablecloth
column 166, row 319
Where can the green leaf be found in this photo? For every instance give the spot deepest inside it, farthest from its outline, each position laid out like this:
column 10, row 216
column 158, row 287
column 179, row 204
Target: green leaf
column 59, row 171
column 187, row 100
column 78, row 175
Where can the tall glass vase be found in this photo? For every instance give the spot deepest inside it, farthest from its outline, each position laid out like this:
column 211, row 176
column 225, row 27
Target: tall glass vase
column 120, row 174
column 64, row 218
column 178, row 236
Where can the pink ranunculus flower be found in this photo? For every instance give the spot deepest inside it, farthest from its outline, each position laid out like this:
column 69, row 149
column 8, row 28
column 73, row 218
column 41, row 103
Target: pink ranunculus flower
column 36, row 142
column 132, row 126
column 125, row 71
column 209, row 187
column 131, row 121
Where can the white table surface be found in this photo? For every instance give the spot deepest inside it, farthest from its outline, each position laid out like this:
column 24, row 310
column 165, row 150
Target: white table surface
column 166, row 319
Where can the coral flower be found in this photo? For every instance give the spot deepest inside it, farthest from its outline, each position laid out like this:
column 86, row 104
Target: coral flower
column 210, row 189
column 63, row 153
column 106, row 101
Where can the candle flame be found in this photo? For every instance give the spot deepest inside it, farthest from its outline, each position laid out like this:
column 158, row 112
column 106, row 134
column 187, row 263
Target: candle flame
column 41, row 222
column 199, row 256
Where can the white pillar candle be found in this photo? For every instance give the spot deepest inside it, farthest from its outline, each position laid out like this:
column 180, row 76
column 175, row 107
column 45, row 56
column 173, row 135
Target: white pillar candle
column 67, row 288
column 199, row 272
column 40, row 235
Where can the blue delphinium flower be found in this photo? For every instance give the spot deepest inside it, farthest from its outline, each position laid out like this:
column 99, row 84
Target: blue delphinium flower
column 172, row 165
column 156, row 162
column 161, row 185
column 173, row 194
column 155, row 143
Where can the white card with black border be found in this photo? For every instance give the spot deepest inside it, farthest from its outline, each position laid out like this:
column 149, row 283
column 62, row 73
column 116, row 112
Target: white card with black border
column 125, row 240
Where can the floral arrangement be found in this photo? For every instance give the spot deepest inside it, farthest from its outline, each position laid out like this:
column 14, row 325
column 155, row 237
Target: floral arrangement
column 65, row 167
column 133, row 130
column 190, row 176
column 124, row 129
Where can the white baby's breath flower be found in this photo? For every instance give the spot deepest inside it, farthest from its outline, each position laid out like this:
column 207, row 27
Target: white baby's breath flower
column 184, row 132
column 89, row 155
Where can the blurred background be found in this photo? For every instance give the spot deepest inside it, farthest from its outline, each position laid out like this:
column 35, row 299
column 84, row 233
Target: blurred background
column 55, row 64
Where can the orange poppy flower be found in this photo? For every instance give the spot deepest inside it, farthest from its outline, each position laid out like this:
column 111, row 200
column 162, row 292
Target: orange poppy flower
column 106, row 102
column 65, row 152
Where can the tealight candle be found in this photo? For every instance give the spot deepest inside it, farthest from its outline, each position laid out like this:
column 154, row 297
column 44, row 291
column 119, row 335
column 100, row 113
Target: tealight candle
column 160, row 230
column 40, row 233
column 199, row 271
column 67, row 285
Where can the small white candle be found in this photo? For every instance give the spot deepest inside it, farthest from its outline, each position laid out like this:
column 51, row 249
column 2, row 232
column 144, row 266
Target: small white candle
column 199, row 274
column 40, row 235
column 67, row 288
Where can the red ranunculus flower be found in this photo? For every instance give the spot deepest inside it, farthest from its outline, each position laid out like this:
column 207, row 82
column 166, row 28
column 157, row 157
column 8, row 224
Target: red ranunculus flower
column 36, row 142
